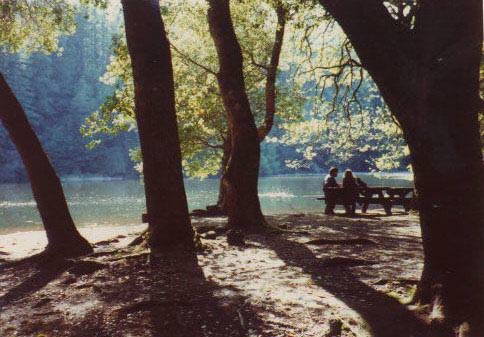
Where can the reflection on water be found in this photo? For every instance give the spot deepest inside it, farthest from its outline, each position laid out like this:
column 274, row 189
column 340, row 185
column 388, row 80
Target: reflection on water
column 122, row 201
column 276, row 194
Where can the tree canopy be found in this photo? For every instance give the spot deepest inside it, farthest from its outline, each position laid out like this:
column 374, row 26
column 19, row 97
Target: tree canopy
column 303, row 83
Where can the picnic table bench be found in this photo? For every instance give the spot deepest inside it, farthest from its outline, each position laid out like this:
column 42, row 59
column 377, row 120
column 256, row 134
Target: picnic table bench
column 387, row 197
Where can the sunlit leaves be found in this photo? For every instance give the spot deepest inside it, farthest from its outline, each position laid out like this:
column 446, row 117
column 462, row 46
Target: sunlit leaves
column 98, row 3
column 324, row 99
column 370, row 135
column 34, row 25
column 200, row 113
column 402, row 11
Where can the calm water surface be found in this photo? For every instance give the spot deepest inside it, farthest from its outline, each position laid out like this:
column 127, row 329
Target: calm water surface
column 121, row 202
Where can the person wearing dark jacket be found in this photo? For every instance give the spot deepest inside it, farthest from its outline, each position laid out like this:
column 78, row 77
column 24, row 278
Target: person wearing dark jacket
column 350, row 192
column 328, row 188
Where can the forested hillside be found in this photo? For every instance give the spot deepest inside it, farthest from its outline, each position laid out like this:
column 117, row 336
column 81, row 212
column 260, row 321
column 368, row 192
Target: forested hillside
column 58, row 91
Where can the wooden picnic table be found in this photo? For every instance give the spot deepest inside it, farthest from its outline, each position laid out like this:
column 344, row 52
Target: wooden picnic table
column 382, row 195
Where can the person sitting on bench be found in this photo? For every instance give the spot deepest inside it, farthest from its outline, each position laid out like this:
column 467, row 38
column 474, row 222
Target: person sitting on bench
column 350, row 192
column 362, row 187
column 361, row 183
column 330, row 195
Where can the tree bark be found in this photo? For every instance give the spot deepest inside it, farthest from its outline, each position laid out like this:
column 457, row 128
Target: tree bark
column 222, row 191
column 449, row 185
column 63, row 238
column 270, row 99
column 271, row 77
column 429, row 78
column 243, row 206
column 166, row 203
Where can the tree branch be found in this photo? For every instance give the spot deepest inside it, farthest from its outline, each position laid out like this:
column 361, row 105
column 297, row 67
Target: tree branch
column 377, row 38
column 348, row 63
column 270, row 88
column 206, row 143
column 189, row 59
column 255, row 63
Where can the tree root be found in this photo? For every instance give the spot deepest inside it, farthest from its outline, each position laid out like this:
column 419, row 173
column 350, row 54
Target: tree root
column 403, row 281
column 50, row 256
column 210, row 211
column 85, row 267
column 129, row 256
column 341, row 242
column 141, row 239
column 142, row 242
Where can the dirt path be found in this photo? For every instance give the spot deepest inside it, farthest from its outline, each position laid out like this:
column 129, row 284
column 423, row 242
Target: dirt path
column 327, row 276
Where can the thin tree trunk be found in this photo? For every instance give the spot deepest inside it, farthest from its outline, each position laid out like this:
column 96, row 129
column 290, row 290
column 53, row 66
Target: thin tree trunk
column 271, row 77
column 63, row 238
column 169, row 223
column 243, row 206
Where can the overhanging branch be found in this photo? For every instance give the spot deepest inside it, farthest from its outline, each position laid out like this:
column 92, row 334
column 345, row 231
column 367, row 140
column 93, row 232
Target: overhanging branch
column 189, row 59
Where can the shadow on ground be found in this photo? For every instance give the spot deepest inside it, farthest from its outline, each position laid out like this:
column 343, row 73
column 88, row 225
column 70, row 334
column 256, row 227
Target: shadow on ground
column 246, row 291
column 42, row 275
column 385, row 315
column 185, row 304
column 122, row 294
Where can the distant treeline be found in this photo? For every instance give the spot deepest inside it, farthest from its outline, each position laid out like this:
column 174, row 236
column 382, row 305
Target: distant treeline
column 58, row 92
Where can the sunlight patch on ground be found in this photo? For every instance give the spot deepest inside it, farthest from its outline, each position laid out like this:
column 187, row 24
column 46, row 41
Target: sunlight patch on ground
column 279, row 290
column 79, row 308
column 22, row 244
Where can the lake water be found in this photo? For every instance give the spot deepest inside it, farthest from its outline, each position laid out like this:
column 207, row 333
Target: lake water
column 121, row 202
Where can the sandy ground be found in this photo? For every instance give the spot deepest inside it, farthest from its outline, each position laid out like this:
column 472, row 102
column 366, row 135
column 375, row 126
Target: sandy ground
column 326, row 276
column 22, row 244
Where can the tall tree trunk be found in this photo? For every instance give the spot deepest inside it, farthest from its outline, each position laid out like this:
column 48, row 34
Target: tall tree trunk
column 243, row 206
column 428, row 76
column 63, row 238
column 443, row 137
column 169, row 223
column 270, row 100
column 449, row 181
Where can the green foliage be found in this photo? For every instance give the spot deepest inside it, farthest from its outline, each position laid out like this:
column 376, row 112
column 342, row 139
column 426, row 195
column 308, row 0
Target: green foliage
column 201, row 117
column 368, row 135
column 325, row 119
column 345, row 121
column 319, row 120
column 58, row 92
column 31, row 26
column 97, row 3
column 116, row 114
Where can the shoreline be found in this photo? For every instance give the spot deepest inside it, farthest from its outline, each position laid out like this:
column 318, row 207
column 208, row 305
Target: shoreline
column 74, row 178
column 24, row 243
